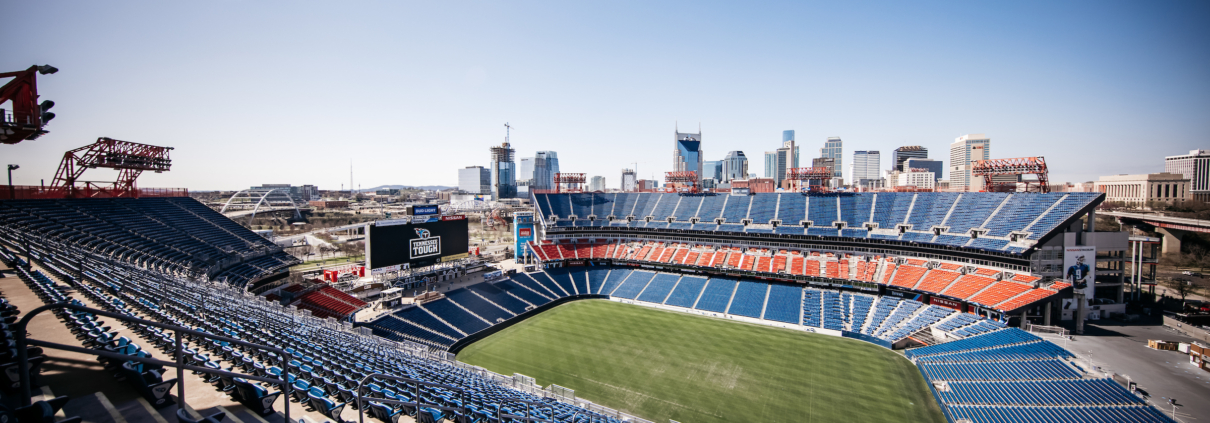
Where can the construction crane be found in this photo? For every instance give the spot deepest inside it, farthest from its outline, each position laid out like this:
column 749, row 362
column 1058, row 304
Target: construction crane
column 130, row 159
column 1015, row 166
column 28, row 117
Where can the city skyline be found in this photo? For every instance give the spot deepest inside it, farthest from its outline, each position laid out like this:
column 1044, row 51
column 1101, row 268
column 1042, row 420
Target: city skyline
column 1072, row 82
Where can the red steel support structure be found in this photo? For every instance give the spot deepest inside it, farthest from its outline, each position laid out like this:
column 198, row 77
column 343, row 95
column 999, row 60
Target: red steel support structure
column 807, row 174
column 576, row 179
column 1016, row 166
column 130, row 159
column 28, row 117
column 681, row 177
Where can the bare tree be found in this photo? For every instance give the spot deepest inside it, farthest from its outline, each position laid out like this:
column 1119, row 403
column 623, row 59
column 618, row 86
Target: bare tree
column 1183, row 287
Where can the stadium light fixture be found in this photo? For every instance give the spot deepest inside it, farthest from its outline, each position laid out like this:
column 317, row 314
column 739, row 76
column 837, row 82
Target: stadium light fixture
column 47, row 69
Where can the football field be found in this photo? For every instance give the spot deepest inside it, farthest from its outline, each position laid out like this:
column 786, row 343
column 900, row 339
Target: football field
column 662, row 365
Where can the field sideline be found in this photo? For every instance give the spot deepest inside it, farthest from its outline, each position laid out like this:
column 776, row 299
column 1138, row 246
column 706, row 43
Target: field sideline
column 662, row 365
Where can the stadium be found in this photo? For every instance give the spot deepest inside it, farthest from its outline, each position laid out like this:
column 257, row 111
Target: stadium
column 641, row 307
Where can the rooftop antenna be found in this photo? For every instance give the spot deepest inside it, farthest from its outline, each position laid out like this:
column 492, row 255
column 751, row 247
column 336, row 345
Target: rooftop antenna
column 350, row 177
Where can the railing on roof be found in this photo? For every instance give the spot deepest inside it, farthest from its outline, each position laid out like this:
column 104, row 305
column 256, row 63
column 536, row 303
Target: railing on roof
column 31, row 192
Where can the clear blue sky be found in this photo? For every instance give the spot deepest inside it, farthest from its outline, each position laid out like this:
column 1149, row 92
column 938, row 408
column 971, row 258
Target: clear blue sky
column 290, row 92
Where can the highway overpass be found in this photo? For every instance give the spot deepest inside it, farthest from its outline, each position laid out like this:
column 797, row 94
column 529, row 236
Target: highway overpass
column 1172, row 228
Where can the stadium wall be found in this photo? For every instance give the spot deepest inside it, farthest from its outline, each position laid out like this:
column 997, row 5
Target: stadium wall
column 491, row 330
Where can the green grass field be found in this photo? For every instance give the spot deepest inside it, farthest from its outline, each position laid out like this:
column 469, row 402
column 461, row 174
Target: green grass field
column 662, row 365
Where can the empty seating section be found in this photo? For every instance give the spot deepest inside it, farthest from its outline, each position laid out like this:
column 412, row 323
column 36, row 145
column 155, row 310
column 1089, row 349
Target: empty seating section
column 454, row 315
column 982, row 414
column 982, row 326
column 812, row 308
column 784, row 304
column 972, row 210
column 596, row 278
column 749, row 299
column 419, row 317
column 968, row 285
column 907, row 276
column 1000, row 292
column 833, row 313
column 712, row 207
column 891, row 210
column 1041, row 393
column 930, row 210
column 792, row 209
column 1064, row 210
column 659, row 288
column 882, row 308
column 1002, row 213
column 927, row 316
column 1011, row 336
column 1014, row 370
column 1027, row 298
column 512, row 287
column 174, row 235
column 903, row 312
column 937, row 280
column 860, row 309
column 717, row 295
column 763, row 208
column 633, row 285
column 563, row 278
column 530, row 282
column 1020, row 352
column 615, row 278
column 686, row 291
column 736, row 209
column 1019, row 211
column 821, row 211
column 493, row 293
column 856, row 211
column 476, row 304
column 666, row 205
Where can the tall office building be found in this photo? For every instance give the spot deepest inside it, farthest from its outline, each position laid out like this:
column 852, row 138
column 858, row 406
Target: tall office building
column 475, row 180
column 687, row 153
column 964, row 152
column 630, row 181
column 833, row 149
column 1195, row 166
column 935, row 166
column 597, row 183
column 503, row 171
column 864, row 168
column 771, row 164
column 901, row 155
column 546, row 165
column 525, row 176
column 712, row 169
column 788, row 135
column 735, row 166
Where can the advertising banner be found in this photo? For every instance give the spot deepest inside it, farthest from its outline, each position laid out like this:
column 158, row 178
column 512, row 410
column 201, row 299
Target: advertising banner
column 425, row 210
column 1079, row 268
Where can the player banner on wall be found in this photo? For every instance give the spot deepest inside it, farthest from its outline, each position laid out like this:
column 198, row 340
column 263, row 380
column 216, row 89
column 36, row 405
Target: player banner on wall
column 1079, row 268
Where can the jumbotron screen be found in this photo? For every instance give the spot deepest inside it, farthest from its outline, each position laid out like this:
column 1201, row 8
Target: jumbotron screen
column 411, row 245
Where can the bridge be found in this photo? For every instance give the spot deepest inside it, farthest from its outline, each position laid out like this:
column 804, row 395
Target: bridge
column 237, row 213
column 1172, row 228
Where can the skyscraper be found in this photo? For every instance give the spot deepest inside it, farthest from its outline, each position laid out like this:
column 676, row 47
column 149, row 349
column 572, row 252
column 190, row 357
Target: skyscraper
column 687, row 153
column 864, row 168
column 833, row 149
column 1196, row 167
column 788, row 135
column 771, row 164
column 735, row 166
column 629, row 180
column 901, row 155
column 934, row 166
column 503, row 171
column 597, row 183
column 546, row 165
column 525, row 177
column 712, row 169
column 964, row 152
column 475, row 180
column 777, row 162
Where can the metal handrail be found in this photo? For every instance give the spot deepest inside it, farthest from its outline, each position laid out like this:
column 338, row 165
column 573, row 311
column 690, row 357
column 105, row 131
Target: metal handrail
column 361, row 410
column 526, row 418
column 23, row 356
